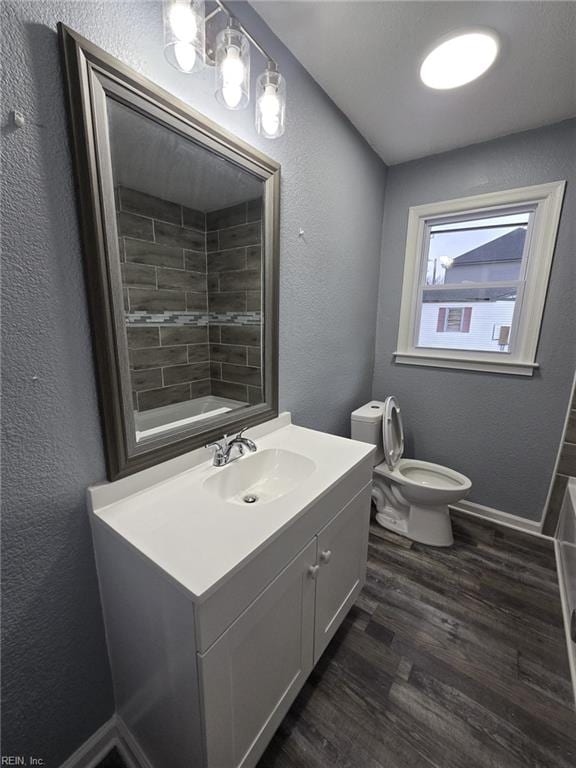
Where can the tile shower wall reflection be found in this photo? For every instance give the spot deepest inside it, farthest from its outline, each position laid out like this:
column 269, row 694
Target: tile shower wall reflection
column 163, row 254
column 234, row 244
column 564, row 471
column 173, row 308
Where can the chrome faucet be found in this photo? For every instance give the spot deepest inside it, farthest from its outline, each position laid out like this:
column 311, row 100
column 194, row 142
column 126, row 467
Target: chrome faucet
column 226, row 448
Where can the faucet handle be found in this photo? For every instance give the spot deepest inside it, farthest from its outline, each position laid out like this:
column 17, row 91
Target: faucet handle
column 218, row 443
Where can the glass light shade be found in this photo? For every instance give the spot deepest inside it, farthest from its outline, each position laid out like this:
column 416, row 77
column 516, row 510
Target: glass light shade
column 184, row 34
column 270, row 104
column 459, row 60
column 232, row 68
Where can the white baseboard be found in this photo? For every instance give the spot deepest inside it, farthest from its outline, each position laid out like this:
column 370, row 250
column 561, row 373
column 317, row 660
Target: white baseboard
column 113, row 733
column 497, row 516
column 563, row 586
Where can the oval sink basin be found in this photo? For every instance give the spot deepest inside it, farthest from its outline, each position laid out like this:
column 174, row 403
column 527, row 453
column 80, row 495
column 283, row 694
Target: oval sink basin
column 260, row 477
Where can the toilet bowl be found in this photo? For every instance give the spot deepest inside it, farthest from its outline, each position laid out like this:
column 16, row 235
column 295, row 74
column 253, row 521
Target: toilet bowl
column 411, row 497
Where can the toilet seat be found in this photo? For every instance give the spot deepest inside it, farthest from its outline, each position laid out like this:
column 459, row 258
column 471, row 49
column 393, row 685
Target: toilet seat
column 412, row 472
column 392, row 432
column 424, row 474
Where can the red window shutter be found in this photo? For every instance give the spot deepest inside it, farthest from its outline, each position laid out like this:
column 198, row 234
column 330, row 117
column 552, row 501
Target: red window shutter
column 441, row 324
column 466, row 319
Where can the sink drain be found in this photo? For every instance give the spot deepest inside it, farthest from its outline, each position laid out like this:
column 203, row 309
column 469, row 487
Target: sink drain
column 250, row 499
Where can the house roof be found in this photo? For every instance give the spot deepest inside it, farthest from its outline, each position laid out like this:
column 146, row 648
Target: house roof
column 508, row 247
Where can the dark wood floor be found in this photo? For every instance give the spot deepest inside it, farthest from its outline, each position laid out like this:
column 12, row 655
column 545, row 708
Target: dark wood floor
column 452, row 658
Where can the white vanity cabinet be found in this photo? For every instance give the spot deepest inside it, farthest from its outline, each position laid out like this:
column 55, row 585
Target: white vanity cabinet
column 202, row 679
column 253, row 672
column 342, row 553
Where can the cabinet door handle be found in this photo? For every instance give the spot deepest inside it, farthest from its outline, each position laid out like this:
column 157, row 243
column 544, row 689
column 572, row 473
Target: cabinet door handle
column 313, row 571
column 325, row 555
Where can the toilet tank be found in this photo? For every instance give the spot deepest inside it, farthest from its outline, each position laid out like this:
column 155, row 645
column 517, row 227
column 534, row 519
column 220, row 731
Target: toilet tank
column 366, row 426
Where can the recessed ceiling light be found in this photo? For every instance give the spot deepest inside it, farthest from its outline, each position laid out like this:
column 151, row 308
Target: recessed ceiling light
column 459, row 60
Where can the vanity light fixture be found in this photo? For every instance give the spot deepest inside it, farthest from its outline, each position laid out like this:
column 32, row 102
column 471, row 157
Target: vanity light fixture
column 187, row 49
column 270, row 102
column 232, row 67
column 184, row 34
column 460, row 59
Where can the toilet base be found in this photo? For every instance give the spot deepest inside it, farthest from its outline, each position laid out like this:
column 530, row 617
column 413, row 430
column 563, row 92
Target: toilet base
column 426, row 525
column 392, row 523
column 430, row 525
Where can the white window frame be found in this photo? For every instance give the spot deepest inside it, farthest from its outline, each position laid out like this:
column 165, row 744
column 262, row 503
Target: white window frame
column 546, row 202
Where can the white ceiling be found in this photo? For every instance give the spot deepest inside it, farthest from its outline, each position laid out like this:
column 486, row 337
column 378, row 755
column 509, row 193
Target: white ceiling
column 151, row 158
column 366, row 56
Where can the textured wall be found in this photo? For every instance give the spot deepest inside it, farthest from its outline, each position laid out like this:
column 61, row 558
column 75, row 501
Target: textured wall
column 56, row 675
column 502, row 431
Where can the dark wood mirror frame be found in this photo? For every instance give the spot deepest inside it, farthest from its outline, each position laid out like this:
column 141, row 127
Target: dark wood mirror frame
column 91, row 75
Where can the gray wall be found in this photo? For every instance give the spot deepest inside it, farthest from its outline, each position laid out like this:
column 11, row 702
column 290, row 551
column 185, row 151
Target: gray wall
column 56, row 677
column 502, row 431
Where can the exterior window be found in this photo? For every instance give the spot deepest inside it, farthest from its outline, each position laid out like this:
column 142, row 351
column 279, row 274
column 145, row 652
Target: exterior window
column 479, row 261
column 454, row 320
column 475, row 279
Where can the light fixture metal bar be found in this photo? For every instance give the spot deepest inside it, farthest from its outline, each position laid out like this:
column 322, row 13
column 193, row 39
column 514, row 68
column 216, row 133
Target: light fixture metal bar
column 222, row 7
column 213, row 13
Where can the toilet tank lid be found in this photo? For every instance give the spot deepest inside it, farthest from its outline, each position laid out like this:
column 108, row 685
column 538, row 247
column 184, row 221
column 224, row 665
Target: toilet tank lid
column 371, row 412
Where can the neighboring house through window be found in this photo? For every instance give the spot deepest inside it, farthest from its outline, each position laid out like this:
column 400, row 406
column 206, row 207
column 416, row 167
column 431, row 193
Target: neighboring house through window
column 475, row 279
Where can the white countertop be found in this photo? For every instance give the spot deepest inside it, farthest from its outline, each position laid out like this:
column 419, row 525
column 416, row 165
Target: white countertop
column 200, row 539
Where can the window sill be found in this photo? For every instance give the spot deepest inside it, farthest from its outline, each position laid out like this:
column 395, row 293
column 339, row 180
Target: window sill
column 515, row 368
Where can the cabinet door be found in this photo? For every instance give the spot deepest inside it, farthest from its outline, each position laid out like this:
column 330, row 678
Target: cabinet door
column 252, row 673
column 342, row 553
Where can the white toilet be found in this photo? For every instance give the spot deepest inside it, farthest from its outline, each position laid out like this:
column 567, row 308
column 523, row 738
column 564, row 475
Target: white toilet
column 411, row 497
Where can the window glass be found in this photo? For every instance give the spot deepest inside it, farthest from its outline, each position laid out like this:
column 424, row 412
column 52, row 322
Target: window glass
column 467, row 318
column 454, row 319
column 477, row 250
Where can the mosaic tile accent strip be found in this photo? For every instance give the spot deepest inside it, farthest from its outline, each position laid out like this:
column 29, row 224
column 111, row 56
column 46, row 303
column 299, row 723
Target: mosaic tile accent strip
column 194, row 318
column 235, row 318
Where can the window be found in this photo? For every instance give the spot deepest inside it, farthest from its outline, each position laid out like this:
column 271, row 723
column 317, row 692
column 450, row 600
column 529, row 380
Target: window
column 454, row 320
column 475, row 279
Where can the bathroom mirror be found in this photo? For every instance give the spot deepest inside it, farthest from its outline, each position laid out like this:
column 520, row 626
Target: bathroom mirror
column 180, row 233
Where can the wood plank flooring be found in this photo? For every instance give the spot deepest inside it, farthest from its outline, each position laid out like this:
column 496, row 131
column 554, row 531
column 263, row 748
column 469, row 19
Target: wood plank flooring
column 451, row 658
